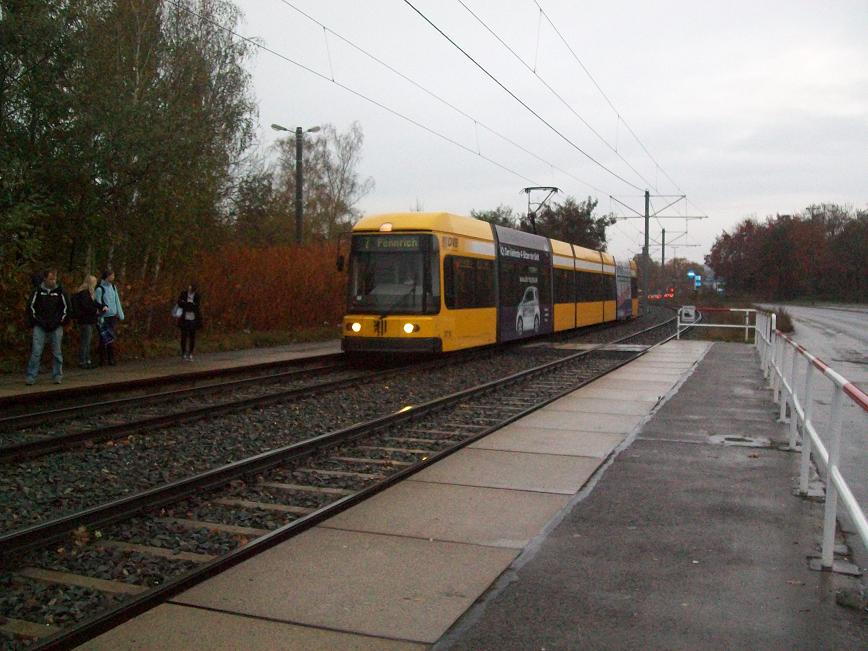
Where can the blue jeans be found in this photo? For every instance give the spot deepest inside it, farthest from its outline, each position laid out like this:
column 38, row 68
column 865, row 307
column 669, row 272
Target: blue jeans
column 39, row 337
column 85, row 330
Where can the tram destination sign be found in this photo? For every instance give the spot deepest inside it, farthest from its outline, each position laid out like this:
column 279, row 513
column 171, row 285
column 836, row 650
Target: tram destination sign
column 387, row 242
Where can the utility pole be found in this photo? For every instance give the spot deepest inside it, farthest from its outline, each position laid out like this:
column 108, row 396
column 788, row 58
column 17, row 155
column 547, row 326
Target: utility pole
column 299, row 210
column 645, row 254
column 299, row 177
column 663, row 252
column 647, row 217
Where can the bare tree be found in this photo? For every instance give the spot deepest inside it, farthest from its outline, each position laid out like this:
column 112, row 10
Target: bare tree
column 332, row 183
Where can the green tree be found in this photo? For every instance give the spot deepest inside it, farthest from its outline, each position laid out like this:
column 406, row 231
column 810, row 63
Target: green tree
column 121, row 122
column 259, row 217
column 501, row 216
column 41, row 48
column 572, row 222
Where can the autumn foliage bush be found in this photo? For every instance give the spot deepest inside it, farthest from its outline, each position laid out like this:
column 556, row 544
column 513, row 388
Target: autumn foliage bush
column 243, row 288
column 275, row 288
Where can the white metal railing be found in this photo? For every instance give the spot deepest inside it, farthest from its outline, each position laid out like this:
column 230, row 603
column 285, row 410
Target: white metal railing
column 687, row 318
column 779, row 356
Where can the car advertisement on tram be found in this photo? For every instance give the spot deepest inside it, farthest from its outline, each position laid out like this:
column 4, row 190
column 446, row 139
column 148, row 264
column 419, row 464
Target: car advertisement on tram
column 524, row 283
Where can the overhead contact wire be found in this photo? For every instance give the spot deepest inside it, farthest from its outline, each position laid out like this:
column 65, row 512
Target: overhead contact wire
column 520, row 101
column 551, row 89
column 351, row 90
column 437, row 97
column 606, row 97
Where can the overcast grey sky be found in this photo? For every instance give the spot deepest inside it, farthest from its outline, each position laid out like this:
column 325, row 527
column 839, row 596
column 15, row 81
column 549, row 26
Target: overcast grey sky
column 751, row 107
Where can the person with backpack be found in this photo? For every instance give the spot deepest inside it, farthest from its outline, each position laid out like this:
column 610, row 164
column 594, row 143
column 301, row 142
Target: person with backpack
column 47, row 311
column 86, row 311
column 189, row 310
column 106, row 294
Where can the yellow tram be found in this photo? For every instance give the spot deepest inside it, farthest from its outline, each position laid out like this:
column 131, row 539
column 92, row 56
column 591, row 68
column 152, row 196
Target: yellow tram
column 437, row 282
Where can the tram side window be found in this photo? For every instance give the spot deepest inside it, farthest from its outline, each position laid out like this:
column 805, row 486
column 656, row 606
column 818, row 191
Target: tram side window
column 564, row 292
column 633, row 288
column 611, row 288
column 590, row 287
column 469, row 282
column 582, row 288
column 598, row 282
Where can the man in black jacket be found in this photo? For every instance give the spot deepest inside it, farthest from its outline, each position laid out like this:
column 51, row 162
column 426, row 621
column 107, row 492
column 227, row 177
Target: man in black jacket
column 47, row 311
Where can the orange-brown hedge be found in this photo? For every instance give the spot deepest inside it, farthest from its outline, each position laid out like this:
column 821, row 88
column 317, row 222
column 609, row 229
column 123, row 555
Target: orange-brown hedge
column 273, row 288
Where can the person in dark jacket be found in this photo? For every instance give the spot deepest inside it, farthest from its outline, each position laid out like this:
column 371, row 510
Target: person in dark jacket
column 86, row 310
column 47, row 311
column 190, row 320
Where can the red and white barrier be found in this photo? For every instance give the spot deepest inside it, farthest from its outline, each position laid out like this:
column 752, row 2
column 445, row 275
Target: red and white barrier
column 775, row 348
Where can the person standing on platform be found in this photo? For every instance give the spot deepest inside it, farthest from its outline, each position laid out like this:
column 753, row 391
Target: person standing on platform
column 189, row 309
column 106, row 294
column 86, row 311
column 47, row 311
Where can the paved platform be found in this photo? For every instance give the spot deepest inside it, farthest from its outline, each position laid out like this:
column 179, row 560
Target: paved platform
column 605, row 520
column 12, row 384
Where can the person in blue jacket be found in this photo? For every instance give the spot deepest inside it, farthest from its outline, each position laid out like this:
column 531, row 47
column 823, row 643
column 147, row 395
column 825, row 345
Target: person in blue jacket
column 106, row 294
column 47, row 311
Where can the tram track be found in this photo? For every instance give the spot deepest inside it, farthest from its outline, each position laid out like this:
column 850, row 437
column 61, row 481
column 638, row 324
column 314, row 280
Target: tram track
column 22, row 405
column 92, row 408
column 28, row 436
column 74, row 478
column 297, row 486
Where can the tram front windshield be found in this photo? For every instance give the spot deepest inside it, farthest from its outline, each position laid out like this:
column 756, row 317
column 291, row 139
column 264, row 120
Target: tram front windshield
column 392, row 274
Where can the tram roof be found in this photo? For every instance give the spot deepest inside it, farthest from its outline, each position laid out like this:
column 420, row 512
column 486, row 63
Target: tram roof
column 443, row 222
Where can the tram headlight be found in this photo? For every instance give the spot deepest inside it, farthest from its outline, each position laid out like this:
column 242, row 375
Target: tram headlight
column 410, row 328
column 356, row 327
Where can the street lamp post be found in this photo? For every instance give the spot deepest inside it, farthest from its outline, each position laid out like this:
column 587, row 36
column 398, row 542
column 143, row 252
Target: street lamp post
column 299, row 175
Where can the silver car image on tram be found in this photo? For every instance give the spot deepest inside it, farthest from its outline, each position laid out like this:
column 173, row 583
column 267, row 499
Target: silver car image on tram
column 528, row 312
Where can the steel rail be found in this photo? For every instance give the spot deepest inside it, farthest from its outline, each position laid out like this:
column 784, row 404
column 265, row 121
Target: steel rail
column 49, row 415
column 105, row 621
column 40, row 447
